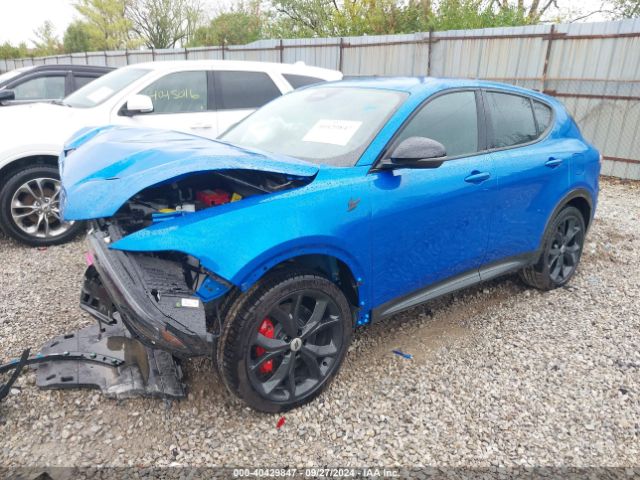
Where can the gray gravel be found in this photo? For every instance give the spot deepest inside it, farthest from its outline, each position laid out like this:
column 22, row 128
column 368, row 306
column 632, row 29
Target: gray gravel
column 501, row 375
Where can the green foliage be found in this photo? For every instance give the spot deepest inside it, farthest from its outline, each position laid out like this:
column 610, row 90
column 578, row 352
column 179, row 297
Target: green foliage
column 625, row 9
column 107, row 22
column 46, row 41
column 10, row 51
column 164, row 23
column 231, row 28
column 80, row 37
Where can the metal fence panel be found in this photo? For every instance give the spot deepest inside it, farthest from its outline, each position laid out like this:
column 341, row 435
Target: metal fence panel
column 594, row 68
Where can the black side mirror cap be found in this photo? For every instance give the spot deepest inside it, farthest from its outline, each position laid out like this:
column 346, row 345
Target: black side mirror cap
column 7, row 95
column 417, row 152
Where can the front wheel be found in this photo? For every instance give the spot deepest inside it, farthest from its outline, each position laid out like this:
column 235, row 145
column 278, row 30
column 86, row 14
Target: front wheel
column 30, row 207
column 284, row 340
column 561, row 251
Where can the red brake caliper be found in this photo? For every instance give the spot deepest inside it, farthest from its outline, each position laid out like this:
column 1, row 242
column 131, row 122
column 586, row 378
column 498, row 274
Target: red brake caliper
column 266, row 329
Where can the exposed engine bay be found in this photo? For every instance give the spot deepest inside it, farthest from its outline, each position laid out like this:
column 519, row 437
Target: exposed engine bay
column 198, row 191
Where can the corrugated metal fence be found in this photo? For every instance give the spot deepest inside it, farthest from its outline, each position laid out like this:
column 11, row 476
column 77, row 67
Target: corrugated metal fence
column 594, row 68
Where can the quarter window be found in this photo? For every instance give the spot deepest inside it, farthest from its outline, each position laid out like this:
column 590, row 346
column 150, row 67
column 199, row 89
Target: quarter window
column 511, row 119
column 180, row 92
column 543, row 116
column 298, row 81
column 450, row 119
column 40, row 88
column 238, row 90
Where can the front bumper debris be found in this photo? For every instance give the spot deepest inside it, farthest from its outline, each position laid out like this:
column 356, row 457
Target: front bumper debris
column 149, row 295
column 108, row 358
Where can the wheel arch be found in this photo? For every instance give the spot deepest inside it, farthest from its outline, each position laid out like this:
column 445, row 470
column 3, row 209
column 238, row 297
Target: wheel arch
column 336, row 265
column 581, row 199
column 27, row 161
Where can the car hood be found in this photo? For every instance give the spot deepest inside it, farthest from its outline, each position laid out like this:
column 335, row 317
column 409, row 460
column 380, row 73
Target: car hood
column 37, row 124
column 102, row 168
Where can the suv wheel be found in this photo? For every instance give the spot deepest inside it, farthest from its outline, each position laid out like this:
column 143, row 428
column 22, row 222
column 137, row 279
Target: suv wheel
column 561, row 250
column 283, row 340
column 30, row 207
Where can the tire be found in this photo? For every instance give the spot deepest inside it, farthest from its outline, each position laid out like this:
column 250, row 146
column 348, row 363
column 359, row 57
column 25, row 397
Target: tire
column 34, row 189
column 289, row 371
column 561, row 250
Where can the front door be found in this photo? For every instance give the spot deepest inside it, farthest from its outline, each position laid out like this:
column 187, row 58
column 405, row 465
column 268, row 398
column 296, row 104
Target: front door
column 181, row 102
column 432, row 224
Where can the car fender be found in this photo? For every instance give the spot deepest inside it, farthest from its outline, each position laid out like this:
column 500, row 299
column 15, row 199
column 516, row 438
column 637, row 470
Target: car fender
column 243, row 240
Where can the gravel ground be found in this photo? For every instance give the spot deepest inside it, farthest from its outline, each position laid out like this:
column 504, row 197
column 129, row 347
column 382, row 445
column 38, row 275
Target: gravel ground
column 501, row 375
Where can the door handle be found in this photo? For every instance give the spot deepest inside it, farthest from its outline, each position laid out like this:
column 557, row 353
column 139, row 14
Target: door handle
column 201, row 125
column 477, row 177
column 553, row 162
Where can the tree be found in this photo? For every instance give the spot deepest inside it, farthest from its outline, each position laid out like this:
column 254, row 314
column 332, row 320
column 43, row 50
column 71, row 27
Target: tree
column 625, row 9
column 230, row 28
column 46, row 41
column 7, row 50
column 164, row 23
column 107, row 19
column 79, row 37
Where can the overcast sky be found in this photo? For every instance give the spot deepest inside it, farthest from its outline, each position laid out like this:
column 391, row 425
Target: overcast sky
column 20, row 18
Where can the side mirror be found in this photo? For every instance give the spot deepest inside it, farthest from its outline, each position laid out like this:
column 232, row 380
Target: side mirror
column 418, row 152
column 7, row 95
column 138, row 104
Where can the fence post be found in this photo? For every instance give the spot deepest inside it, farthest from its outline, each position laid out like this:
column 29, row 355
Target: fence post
column 340, row 53
column 281, row 48
column 429, row 51
column 223, row 49
column 186, row 53
column 547, row 54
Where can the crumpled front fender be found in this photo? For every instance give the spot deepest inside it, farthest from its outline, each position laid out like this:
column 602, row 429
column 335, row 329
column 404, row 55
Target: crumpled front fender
column 241, row 241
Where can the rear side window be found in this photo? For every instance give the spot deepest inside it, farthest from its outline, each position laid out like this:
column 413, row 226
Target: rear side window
column 543, row 115
column 451, row 119
column 179, row 92
column 40, row 88
column 298, row 81
column 512, row 119
column 239, row 90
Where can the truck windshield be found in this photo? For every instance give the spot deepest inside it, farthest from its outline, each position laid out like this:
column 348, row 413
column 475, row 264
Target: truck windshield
column 100, row 90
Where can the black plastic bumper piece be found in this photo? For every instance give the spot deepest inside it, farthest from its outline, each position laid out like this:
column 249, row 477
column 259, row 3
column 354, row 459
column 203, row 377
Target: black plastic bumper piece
column 108, row 358
column 148, row 295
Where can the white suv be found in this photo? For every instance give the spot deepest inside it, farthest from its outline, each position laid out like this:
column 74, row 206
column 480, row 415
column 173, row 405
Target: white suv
column 200, row 97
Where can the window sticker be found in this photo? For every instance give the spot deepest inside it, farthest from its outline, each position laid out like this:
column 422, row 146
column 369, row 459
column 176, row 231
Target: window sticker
column 334, row 132
column 100, row 94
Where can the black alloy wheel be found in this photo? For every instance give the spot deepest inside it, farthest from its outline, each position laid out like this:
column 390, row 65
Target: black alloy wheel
column 284, row 339
column 561, row 250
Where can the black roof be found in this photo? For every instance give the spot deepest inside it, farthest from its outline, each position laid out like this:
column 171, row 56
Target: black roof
column 75, row 68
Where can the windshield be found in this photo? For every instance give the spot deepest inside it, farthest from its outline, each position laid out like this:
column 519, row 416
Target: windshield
column 323, row 125
column 100, row 90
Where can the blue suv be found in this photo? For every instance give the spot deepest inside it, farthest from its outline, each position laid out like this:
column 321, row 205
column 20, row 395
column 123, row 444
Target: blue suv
column 331, row 207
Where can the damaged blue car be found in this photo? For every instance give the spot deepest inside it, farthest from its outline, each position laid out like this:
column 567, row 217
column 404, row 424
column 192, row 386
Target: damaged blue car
column 331, row 207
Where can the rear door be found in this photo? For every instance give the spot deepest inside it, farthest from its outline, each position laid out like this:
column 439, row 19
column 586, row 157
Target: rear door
column 239, row 93
column 181, row 101
column 532, row 167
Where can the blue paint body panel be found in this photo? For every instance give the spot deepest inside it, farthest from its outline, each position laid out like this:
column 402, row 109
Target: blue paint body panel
column 410, row 228
column 102, row 169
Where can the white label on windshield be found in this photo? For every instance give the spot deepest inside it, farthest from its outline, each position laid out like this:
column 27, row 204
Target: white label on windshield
column 335, row 132
column 100, row 94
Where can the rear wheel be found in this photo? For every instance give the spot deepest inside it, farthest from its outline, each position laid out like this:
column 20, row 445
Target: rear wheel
column 561, row 251
column 284, row 340
column 30, row 208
